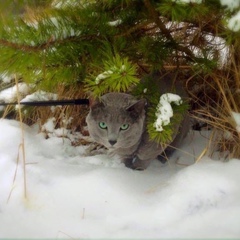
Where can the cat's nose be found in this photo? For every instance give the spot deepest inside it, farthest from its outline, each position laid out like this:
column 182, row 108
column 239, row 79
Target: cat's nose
column 112, row 142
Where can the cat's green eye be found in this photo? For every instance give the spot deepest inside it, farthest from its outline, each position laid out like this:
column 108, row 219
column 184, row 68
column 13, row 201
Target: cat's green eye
column 103, row 125
column 124, row 127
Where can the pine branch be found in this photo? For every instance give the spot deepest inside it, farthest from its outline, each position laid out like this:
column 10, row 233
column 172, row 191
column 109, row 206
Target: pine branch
column 46, row 45
column 135, row 28
column 154, row 14
column 157, row 20
column 23, row 47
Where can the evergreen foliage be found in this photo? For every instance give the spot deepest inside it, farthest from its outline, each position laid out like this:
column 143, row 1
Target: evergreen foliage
column 109, row 44
column 118, row 75
column 168, row 130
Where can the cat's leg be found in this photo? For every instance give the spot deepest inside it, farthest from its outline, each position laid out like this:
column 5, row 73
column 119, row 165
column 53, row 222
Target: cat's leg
column 149, row 150
column 163, row 159
column 145, row 153
column 135, row 163
column 166, row 154
column 178, row 139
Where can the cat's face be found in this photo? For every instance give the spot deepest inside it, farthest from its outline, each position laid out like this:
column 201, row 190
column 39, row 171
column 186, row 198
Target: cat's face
column 117, row 120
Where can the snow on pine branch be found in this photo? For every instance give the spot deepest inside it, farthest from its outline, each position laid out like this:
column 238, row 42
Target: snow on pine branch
column 115, row 23
column 103, row 76
column 108, row 73
column 188, row 1
column 164, row 110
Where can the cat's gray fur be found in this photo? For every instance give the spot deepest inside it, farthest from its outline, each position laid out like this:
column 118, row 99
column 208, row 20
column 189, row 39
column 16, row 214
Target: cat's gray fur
column 132, row 144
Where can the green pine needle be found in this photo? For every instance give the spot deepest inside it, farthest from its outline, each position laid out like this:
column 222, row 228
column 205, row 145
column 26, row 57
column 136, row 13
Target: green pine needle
column 117, row 75
column 165, row 136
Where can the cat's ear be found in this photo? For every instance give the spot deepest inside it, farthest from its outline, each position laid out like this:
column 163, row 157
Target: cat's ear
column 95, row 102
column 137, row 108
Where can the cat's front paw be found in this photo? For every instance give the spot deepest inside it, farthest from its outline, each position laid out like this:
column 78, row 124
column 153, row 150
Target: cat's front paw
column 135, row 163
column 162, row 159
column 95, row 149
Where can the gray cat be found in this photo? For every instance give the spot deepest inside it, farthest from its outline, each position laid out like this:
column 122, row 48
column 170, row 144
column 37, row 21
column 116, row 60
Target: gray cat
column 118, row 121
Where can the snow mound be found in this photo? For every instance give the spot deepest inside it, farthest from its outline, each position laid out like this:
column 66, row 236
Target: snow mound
column 71, row 195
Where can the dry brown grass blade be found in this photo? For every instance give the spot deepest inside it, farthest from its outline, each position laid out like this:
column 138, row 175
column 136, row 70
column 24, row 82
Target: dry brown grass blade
column 203, row 153
column 7, row 110
column 22, row 145
column 15, row 175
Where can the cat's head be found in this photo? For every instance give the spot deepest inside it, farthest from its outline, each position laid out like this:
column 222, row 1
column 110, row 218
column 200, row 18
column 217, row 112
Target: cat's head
column 116, row 120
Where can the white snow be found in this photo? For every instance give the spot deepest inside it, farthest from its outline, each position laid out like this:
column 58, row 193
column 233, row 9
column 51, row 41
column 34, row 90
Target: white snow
column 231, row 4
column 164, row 110
column 115, row 23
column 5, row 77
column 71, row 195
column 234, row 22
column 108, row 73
column 40, row 96
column 188, row 1
column 236, row 118
column 102, row 76
column 49, row 126
column 10, row 94
column 61, row 4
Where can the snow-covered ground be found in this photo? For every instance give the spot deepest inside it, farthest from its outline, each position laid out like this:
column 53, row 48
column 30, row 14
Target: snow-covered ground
column 70, row 195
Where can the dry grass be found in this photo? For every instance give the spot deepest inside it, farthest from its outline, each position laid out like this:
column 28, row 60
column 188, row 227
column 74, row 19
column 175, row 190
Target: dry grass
column 71, row 117
column 216, row 97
